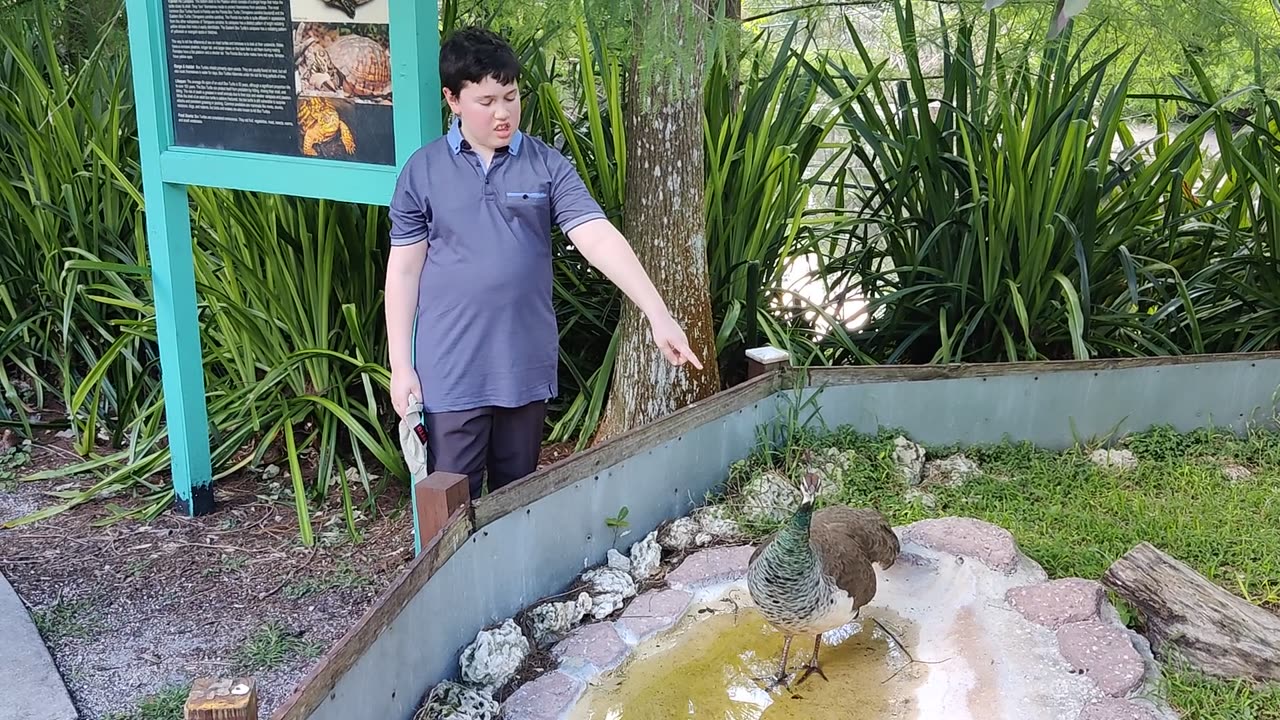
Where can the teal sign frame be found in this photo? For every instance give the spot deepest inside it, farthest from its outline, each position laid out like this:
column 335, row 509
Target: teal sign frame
column 168, row 168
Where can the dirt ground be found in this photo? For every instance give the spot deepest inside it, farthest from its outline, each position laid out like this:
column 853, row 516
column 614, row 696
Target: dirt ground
column 132, row 612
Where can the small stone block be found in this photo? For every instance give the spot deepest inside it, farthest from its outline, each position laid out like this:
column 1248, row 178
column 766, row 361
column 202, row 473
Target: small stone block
column 1116, row 709
column 1058, row 602
column 222, row 699
column 990, row 544
column 711, row 567
column 1104, row 653
column 591, row 650
column 652, row 613
column 547, row 698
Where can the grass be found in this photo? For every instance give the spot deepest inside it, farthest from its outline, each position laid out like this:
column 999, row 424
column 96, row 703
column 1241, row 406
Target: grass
column 1076, row 518
column 166, row 704
column 272, row 646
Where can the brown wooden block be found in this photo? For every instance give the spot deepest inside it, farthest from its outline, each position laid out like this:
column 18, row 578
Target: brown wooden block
column 222, row 699
column 438, row 496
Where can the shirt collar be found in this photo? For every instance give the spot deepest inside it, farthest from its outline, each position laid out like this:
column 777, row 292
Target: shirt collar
column 456, row 140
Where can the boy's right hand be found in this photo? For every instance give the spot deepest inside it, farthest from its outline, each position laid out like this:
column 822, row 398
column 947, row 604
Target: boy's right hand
column 404, row 383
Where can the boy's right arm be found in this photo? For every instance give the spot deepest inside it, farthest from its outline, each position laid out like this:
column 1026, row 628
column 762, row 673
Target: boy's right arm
column 409, row 229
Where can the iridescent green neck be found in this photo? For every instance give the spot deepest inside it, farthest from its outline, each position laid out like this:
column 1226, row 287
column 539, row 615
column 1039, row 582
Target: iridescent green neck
column 794, row 536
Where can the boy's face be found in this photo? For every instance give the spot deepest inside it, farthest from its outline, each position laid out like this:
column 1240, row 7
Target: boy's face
column 490, row 112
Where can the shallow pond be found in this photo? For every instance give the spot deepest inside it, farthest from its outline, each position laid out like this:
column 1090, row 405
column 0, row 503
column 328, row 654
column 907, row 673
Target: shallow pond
column 706, row 668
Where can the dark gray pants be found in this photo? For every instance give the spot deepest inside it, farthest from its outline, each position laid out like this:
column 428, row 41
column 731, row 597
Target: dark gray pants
column 505, row 442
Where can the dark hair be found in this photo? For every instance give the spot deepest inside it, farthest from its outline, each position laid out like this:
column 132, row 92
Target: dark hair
column 471, row 54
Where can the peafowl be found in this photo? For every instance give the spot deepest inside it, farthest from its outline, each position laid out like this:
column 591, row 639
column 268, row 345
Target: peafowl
column 814, row 574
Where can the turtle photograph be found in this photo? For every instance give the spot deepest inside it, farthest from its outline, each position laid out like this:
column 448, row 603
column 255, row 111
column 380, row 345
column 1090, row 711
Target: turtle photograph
column 337, row 11
column 339, row 129
column 345, row 60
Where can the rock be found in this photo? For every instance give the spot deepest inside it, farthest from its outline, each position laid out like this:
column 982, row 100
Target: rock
column 590, row 651
column 548, row 697
column 451, row 701
column 1104, row 653
column 679, row 535
column 646, row 556
column 951, row 471
column 1236, row 473
column 610, row 580
column 1118, row 459
column 652, row 613
column 610, row 589
column 769, row 496
column 270, row 472
column 1058, row 602
column 495, row 655
column 909, row 457
column 926, row 499
column 552, row 621
column 831, row 467
column 605, row 604
column 968, row 537
column 618, row 561
column 711, row 567
column 714, row 520
column 8, row 441
column 1116, row 709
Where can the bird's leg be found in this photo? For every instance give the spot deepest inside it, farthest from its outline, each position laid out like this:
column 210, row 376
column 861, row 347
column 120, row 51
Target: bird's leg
column 780, row 678
column 812, row 667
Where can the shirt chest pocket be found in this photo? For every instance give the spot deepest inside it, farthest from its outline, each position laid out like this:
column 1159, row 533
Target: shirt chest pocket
column 530, row 209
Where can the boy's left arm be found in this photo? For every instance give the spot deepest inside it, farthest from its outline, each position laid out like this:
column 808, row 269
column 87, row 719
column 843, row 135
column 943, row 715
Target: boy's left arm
column 584, row 223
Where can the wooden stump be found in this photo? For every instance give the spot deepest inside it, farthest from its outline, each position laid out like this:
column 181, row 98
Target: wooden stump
column 222, row 699
column 1217, row 632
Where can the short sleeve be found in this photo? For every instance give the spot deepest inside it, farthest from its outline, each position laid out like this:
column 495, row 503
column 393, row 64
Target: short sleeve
column 571, row 202
column 410, row 211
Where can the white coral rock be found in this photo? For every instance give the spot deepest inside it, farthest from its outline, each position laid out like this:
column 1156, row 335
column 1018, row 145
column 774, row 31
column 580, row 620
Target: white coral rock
column 646, row 555
column 494, row 656
column 451, row 701
column 551, row 621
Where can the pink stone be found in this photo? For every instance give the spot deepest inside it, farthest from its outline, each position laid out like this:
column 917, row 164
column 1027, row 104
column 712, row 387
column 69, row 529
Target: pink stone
column 992, row 545
column 590, row 650
column 545, row 698
column 1116, row 709
column 1104, row 653
column 1058, row 602
column 652, row 613
column 711, row 567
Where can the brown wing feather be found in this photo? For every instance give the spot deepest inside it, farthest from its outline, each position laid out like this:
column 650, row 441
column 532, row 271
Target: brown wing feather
column 847, row 540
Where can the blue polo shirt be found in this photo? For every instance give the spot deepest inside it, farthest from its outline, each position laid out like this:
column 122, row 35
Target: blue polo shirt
column 486, row 331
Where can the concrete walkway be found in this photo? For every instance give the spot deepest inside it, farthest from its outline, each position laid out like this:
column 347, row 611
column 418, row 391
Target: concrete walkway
column 33, row 686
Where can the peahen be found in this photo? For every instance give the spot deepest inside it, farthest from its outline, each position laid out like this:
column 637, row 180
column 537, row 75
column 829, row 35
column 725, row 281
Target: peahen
column 814, row 574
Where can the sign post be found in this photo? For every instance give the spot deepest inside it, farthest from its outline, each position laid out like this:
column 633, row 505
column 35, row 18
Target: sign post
column 314, row 98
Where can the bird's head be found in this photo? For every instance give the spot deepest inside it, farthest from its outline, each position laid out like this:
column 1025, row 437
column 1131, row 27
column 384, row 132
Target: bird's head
column 809, row 488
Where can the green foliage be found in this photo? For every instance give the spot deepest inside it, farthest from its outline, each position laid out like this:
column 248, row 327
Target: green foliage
column 995, row 222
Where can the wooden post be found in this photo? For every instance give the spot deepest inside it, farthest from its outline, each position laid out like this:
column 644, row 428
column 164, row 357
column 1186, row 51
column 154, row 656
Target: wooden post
column 435, row 499
column 222, row 699
column 765, row 359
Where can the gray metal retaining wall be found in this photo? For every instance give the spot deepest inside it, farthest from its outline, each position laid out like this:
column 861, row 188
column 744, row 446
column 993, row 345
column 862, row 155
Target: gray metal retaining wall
column 530, row 540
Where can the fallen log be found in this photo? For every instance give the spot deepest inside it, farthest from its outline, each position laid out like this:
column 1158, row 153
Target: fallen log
column 1218, row 633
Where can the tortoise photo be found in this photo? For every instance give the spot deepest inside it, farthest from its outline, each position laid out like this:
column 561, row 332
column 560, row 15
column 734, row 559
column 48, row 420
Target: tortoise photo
column 363, row 65
column 319, row 123
column 346, row 6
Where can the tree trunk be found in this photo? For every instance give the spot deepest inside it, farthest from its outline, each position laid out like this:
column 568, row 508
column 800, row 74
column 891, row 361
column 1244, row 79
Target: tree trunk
column 664, row 218
column 1222, row 635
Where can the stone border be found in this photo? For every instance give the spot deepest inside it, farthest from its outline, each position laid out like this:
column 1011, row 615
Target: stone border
column 34, row 689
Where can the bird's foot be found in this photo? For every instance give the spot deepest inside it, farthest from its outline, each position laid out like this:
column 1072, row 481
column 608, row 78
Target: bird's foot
column 810, row 669
column 772, row 682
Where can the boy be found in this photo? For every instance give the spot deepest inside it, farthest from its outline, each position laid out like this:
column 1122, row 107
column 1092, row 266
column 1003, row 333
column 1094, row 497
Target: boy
column 469, row 279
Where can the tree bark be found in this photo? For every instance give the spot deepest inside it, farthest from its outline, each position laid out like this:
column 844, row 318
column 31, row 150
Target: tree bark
column 665, row 222
column 1217, row 632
